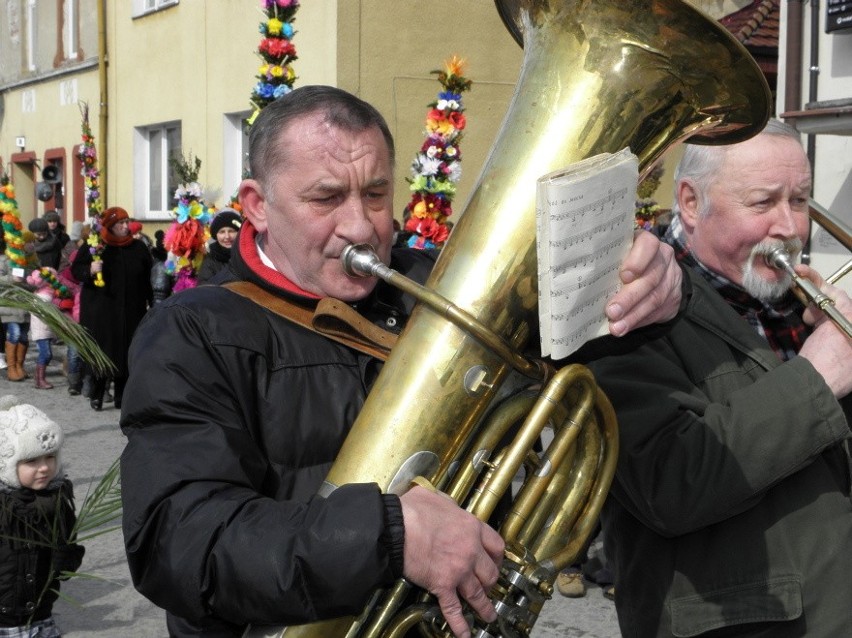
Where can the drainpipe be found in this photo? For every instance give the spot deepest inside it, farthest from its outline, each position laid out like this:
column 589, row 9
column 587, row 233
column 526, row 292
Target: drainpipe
column 103, row 118
column 793, row 65
column 814, row 71
column 812, row 97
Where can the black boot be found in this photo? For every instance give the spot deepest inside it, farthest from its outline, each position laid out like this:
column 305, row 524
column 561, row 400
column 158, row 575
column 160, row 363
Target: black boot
column 86, row 390
column 96, row 399
column 75, row 383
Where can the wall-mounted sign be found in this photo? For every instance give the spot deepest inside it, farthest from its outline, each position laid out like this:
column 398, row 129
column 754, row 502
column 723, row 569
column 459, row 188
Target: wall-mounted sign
column 838, row 15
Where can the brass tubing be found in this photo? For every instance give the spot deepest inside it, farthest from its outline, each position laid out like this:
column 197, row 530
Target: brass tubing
column 603, row 480
column 552, row 395
column 496, row 425
column 780, row 259
column 832, row 225
column 841, row 272
column 361, row 260
column 553, row 539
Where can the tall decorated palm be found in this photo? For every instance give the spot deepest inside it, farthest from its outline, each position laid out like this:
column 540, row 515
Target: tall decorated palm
column 186, row 237
column 88, row 156
column 275, row 76
column 436, row 168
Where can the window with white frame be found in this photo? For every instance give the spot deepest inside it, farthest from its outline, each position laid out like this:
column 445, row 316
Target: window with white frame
column 235, row 150
column 141, row 7
column 156, row 181
column 70, row 28
column 32, row 24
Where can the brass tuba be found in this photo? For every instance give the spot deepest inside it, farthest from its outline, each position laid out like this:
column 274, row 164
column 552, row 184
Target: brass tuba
column 597, row 76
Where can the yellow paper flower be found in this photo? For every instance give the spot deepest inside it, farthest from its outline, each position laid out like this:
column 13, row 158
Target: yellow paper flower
column 273, row 26
column 276, row 71
column 419, row 210
column 263, row 70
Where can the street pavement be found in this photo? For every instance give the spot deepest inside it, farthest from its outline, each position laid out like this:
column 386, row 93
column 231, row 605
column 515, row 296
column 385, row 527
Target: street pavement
column 105, row 604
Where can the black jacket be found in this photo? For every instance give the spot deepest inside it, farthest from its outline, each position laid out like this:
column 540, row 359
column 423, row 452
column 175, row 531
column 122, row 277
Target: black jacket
column 233, row 416
column 34, row 550
column 215, row 260
column 112, row 312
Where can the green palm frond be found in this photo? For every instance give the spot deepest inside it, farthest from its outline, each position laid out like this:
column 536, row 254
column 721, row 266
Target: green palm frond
column 100, row 507
column 13, row 296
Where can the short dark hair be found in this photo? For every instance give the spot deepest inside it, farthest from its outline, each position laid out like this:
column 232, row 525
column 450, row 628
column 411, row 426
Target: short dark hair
column 341, row 109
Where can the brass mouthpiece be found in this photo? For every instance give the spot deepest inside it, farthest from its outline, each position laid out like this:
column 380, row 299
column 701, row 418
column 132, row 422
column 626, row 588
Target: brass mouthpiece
column 780, row 259
column 361, row 260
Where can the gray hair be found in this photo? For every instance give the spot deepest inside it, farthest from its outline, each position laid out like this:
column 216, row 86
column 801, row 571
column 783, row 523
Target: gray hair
column 340, row 109
column 701, row 163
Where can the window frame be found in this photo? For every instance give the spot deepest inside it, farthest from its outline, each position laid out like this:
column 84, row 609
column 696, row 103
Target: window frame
column 146, row 7
column 234, row 138
column 31, row 32
column 144, row 207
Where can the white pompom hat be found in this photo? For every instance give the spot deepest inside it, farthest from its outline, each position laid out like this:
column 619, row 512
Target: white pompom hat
column 25, row 433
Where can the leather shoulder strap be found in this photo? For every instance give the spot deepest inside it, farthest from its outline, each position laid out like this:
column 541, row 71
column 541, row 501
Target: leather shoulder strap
column 332, row 318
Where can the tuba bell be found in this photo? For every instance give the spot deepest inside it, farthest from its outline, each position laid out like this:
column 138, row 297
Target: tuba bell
column 597, row 76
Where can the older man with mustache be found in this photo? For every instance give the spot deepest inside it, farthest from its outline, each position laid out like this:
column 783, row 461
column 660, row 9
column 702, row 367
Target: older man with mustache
column 730, row 513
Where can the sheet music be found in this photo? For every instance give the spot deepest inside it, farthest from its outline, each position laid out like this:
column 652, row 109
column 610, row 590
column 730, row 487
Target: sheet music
column 584, row 217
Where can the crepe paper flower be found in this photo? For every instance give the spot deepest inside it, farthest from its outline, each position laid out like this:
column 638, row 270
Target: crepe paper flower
column 646, row 214
column 276, row 75
column 185, row 239
column 436, row 169
column 647, row 210
column 88, row 155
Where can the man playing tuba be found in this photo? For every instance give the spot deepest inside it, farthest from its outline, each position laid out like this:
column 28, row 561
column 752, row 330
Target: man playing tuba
column 234, row 414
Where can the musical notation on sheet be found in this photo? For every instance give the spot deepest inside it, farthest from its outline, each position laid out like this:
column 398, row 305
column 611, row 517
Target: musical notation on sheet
column 584, row 217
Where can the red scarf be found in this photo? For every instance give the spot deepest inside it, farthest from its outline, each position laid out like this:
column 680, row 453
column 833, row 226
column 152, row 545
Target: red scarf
column 115, row 240
column 248, row 251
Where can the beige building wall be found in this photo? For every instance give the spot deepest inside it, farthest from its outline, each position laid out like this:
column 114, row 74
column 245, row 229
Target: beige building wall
column 45, row 72
column 194, row 62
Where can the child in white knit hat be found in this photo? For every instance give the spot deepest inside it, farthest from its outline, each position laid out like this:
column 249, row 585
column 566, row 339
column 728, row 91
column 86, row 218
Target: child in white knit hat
column 36, row 521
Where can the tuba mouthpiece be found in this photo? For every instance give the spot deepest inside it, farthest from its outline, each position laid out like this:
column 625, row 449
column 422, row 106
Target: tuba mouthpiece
column 360, row 260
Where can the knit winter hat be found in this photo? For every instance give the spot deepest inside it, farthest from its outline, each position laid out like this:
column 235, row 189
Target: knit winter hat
column 76, row 231
column 227, row 217
column 111, row 216
column 51, row 216
column 38, row 225
column 25, row 433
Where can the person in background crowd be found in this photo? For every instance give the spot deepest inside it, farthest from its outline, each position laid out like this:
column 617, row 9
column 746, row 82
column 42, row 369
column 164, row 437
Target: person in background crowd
column 16, row 324
column 55, row 226
column 136, row 233
column 76, row 238
column 730, row 511
column 46, row 246
column 112, row 312
column 40, row 332
column 77, row 368
column 231, row 425
column 161, row 280
column 223, row 229
column 37, row 542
